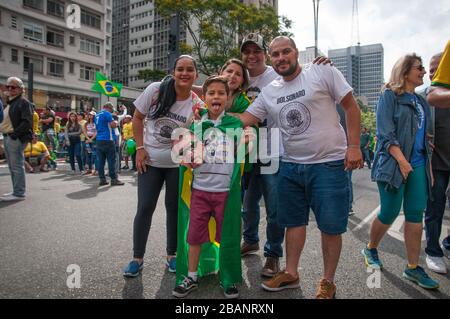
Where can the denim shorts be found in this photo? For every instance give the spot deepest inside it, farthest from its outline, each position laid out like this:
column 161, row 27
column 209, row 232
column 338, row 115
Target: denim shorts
column 322, row 187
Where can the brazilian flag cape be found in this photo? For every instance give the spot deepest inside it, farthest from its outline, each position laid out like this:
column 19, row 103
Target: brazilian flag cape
column 225, row 255
column 442, row 75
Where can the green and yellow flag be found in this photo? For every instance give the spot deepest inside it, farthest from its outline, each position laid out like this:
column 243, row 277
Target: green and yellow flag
column 105, row 86
column 225, row 255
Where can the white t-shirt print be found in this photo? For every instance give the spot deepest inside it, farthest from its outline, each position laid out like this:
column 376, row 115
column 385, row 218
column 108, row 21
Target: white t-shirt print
column 305, row 111
column 158, row 132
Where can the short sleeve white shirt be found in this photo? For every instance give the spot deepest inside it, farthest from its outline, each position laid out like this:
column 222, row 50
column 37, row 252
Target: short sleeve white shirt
column 158, row 132
column 305, row 111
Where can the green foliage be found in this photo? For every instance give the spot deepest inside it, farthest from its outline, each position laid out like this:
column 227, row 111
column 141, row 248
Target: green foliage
column 368, row 116
column 151, row 75
column 215, row 25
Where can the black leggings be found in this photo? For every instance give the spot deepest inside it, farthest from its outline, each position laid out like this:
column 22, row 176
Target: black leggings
column 149, row 188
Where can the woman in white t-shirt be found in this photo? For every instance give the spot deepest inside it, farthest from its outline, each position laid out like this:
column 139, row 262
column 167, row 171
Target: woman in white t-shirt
column 161, row 108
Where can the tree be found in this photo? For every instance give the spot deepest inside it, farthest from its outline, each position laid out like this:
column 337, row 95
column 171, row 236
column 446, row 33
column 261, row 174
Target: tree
column 215, row 26
column 368, row 116
column 151, row 75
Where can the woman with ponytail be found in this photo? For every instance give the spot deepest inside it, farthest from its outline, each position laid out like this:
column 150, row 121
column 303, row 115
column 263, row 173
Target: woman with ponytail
column 161, row 108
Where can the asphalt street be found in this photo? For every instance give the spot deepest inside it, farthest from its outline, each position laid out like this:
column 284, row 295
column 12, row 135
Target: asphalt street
column 68, row 223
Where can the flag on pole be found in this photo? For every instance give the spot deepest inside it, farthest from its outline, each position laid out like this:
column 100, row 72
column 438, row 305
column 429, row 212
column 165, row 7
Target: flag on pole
column 225, row 255
column 105, row 86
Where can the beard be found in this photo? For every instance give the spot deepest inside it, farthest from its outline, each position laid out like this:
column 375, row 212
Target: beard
column 291, row 70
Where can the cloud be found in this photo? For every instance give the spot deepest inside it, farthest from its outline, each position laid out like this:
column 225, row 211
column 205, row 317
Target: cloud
column 402, row 26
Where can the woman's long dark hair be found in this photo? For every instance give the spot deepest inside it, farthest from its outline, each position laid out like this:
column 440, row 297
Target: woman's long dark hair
column 167, row 95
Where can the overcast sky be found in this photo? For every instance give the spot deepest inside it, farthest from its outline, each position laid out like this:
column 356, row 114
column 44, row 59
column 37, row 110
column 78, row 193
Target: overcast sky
column 401, row 26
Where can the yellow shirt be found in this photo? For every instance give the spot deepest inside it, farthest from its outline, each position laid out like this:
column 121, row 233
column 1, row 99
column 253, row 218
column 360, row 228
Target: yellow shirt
column 36, row 149
column 82, row 137
column 127, row 131
column 57, row 128
column 442, row 75
column 36, row 129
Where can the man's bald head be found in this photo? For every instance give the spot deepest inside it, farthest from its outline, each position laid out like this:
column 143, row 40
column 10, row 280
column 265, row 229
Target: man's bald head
column 283, row 38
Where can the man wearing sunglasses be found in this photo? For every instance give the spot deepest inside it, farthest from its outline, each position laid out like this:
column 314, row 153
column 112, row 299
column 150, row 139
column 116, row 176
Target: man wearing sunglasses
column 17, row 129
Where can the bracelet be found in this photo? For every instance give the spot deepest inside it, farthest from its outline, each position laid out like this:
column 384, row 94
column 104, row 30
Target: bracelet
column 353, row 146
column 140, row 148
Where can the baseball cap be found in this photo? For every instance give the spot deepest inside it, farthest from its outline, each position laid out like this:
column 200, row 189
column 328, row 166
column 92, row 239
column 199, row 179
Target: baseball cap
column 255, row 38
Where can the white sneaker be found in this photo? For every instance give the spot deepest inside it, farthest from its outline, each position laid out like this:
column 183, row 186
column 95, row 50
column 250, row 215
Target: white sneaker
column 446, row 252
column 7, row 194
column 10, row 198
column 436, row 264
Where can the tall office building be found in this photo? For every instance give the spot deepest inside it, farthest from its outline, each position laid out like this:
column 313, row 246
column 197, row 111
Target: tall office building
column 64, row 60
column 120, row 41
column 308, row 55
column 363, row 68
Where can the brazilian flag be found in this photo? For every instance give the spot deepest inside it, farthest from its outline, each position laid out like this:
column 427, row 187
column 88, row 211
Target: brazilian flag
column 442, row 75
column 226, row 255
column 105, row 86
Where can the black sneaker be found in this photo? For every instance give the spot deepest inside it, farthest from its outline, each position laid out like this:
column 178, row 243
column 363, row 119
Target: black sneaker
column 231, row 292
column 103, row 182
column 185, row 288
column 116, row 182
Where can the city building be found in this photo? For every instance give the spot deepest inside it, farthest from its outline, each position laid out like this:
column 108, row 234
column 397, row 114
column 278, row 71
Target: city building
column 64, row 60
column 308, row 55
column 363, row 68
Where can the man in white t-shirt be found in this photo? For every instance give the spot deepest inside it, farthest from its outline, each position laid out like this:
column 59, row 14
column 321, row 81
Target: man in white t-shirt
column 315, row 159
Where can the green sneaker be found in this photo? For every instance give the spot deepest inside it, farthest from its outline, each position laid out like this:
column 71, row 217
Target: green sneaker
column 371, row 258
column 420, row 277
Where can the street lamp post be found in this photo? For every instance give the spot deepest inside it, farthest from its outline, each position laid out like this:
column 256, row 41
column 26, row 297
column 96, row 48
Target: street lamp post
column 316, row 26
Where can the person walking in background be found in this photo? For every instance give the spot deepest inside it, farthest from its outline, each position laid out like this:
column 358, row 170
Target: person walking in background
column 106, row 148
column 127, row 135
column 441, row 173
column 91, row 133
column 364, row 144
column 402, row 167
column 73, row 141
column 17, row 129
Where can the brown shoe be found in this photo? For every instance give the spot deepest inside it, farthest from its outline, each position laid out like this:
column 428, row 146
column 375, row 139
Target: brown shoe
column 327, row 290
column 271, row 268
column 247, row 249
column 281, row 281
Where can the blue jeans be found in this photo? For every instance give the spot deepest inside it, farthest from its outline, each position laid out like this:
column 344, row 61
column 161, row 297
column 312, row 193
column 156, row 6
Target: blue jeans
column 366, row 156
column 16, row 158
column 321, row 187
column 350, row 186
column 435, row 213
column 263, row 185
column 83, row 153
column 106, row 151
column 75, row 152
column 91, row 155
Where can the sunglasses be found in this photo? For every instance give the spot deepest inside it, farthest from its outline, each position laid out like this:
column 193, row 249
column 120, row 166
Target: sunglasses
column 12, row 87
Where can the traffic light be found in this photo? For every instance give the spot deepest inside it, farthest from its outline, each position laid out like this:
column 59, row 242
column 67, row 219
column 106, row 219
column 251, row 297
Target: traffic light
column 172, row 43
